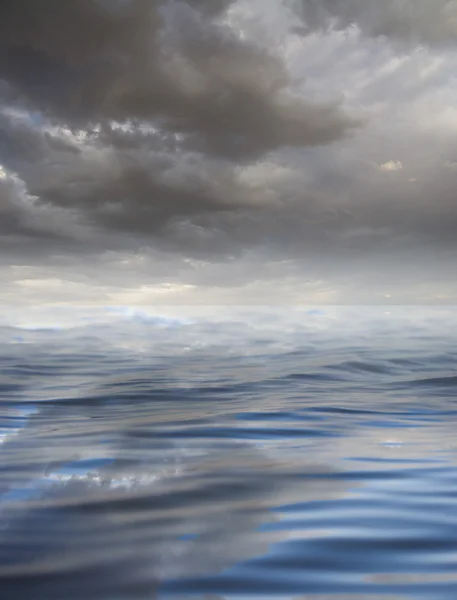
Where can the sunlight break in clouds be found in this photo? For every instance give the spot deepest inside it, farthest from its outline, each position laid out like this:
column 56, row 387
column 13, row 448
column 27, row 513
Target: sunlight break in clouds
column 391, row 166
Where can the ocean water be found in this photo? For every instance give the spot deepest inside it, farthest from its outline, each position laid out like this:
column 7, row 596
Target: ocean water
column 215, row 454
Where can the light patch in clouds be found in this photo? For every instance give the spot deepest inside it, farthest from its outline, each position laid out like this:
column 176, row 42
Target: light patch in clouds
column 391, row 166
column 165, row 293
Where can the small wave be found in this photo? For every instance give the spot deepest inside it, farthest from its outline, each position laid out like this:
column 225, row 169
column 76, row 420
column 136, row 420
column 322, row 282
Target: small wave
column 444, row 384
column 264, row 458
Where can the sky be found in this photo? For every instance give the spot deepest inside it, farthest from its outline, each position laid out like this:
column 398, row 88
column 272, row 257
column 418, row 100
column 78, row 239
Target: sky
column 219, row 152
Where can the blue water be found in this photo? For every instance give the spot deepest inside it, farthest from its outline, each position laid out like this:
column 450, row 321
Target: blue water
column 259, row 454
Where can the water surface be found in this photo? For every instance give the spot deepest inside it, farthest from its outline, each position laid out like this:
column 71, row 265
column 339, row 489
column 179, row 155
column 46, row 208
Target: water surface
column 294, row 454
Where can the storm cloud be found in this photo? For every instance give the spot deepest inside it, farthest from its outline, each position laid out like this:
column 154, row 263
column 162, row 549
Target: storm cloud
column 239, row 143
column 172, row 66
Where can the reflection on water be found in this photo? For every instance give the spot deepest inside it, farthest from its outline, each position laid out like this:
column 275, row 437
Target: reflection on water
column 223, row 460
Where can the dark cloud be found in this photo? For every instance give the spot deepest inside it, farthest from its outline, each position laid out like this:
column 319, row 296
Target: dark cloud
column 172, row 65
column 137, row 116
column 170, row 127
column 131, row 183
column 136, row 185
column 10, row 209
column 417, row 21
column 30, row 229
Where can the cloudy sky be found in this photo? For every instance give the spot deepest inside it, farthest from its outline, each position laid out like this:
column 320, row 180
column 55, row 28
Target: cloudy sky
column 228, row 152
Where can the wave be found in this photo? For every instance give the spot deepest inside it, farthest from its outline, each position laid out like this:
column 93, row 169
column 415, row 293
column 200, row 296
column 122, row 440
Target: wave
column 228, row 454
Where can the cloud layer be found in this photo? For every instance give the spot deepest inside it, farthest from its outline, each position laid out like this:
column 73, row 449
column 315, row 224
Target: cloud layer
column 241, row 144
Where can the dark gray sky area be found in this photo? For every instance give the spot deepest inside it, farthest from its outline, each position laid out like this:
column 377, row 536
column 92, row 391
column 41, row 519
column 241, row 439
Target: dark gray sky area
column 217, row 151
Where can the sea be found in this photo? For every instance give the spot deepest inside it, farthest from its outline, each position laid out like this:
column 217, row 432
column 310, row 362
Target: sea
column 213, row 453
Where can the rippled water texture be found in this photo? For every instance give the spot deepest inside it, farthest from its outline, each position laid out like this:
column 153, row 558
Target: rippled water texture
column 283, row 454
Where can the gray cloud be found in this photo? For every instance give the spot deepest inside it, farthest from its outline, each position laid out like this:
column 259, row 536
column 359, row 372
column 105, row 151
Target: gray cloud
column 416, row 21
column 172, row 65
column 135, row 185
column 114, row 181
column 135, row 117
column 179, row 132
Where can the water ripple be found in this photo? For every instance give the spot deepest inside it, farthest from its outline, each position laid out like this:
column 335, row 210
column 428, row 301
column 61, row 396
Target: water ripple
column 309, row 466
